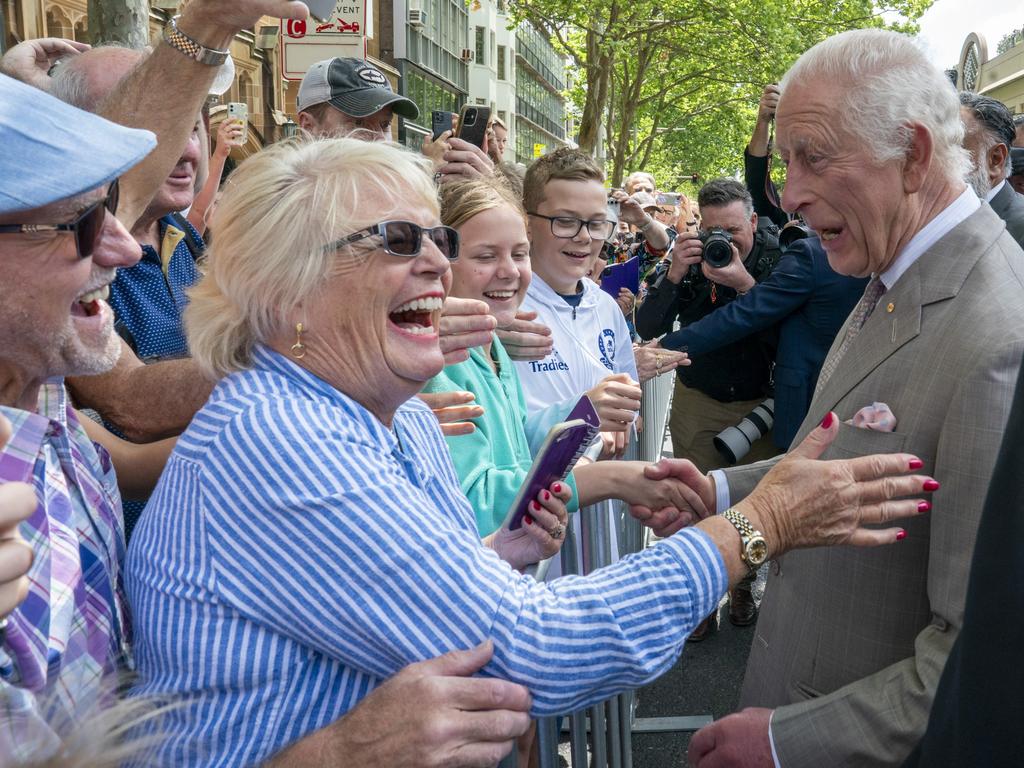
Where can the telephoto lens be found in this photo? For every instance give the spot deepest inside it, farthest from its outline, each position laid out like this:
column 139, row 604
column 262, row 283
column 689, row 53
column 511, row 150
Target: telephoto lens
column 734, row 442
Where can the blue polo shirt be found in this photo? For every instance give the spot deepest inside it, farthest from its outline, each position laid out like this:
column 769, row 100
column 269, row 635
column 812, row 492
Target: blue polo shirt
column 149, row 297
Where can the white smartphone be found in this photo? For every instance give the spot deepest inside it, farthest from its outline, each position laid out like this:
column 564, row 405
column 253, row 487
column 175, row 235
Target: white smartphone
column 240, row 111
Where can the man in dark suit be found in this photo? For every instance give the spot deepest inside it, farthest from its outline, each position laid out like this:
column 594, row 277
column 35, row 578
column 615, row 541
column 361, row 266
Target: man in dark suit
column 989, row 136
column 978, row 709
column 809, row 301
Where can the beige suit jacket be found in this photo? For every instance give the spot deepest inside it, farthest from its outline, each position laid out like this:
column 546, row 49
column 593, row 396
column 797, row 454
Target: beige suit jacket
column 851, row 642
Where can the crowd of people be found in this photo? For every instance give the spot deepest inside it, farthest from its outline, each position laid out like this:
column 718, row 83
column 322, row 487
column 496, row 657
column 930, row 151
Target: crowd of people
column 260, row 439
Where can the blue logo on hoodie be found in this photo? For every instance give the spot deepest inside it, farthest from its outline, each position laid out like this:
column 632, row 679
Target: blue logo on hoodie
column 606, row 343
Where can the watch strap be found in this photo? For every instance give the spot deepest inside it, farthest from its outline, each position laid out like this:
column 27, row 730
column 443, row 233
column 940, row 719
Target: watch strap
column 195, row 50
column 745, row 528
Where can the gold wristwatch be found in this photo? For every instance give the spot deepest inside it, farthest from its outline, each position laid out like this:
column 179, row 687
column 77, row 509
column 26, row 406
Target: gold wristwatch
column 195, row 50
column 753, row 549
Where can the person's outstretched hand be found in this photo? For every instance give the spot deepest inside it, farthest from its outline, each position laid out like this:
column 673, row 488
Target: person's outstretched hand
column 17, row 502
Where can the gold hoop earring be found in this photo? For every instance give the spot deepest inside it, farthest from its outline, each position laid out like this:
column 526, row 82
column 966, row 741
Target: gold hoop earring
column 298, row 348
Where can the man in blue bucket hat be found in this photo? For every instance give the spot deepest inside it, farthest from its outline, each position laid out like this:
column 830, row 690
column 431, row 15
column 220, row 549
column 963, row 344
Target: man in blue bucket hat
column 60, row 247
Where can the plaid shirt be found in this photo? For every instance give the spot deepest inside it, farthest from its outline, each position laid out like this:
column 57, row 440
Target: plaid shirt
column 68, row 633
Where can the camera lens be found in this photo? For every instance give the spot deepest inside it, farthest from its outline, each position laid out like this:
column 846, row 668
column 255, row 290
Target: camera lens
column 734, row 442
column 717, row 252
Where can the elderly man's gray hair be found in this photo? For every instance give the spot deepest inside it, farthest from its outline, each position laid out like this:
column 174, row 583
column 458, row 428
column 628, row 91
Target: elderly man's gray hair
column 995, row 120
column 884, row 83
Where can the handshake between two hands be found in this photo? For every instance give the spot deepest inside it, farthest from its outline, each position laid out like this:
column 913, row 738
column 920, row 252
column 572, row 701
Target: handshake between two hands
column 803, row 501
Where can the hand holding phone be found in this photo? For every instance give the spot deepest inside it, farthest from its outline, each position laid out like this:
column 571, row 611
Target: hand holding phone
column 240, row 112
column 440, row 121
column 473, row 124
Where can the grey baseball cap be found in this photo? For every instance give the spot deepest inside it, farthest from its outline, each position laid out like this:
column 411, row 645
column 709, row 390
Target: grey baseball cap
column 53, row 151
column 352, row 86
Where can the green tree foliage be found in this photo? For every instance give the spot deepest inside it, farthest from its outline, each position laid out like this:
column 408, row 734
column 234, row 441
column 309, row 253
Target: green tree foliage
column 1010, row 39
column 675, row 85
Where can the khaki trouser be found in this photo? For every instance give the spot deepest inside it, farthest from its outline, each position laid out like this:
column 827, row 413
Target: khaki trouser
column 694, row 421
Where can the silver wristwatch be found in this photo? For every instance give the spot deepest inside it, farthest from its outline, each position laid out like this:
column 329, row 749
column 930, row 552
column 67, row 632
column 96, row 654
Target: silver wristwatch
column 753, row 549
column 182, row 43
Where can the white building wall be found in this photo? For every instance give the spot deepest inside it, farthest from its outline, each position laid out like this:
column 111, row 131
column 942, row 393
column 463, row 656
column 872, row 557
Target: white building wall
column 485, row 87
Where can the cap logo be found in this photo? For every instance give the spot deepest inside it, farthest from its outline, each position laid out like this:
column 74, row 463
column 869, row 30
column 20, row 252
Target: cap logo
column 372, row 76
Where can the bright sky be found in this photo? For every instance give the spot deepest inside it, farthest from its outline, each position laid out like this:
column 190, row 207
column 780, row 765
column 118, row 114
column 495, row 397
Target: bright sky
column 945, row 25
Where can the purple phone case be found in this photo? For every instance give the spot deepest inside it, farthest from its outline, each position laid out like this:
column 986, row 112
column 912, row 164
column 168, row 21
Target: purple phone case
column 624, row 275
column 575, row 434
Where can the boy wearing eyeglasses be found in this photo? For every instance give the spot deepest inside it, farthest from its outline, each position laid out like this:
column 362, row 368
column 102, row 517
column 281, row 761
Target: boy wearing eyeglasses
column 566, row 203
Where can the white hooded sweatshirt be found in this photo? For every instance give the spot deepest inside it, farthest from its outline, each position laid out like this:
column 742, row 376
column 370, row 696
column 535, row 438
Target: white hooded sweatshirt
column 591, row 341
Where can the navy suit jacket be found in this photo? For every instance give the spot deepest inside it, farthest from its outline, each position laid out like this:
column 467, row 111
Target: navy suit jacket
column 1009, row 205
column 808, row 301
column 977, row 714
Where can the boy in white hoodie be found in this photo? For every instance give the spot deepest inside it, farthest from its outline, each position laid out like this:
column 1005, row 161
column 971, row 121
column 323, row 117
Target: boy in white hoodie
column 567, row 204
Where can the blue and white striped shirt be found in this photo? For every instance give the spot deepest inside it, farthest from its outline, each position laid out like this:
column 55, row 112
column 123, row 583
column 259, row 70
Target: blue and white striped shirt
column 295, row 554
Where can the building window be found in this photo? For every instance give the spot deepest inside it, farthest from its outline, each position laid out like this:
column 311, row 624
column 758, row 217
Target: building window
column 481, row 102
column 481, row 45
column 502, row 74
column 503, row 116
column 501, row 6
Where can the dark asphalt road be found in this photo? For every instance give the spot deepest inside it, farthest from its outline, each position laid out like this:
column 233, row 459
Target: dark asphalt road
column 705, row 680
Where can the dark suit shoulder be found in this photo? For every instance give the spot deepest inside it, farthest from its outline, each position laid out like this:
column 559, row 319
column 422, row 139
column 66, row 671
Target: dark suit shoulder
column 1009, row 205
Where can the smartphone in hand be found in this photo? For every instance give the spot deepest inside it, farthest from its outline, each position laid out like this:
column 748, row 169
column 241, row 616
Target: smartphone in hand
column 473, row 124
column 440, row 121
column 240, row 111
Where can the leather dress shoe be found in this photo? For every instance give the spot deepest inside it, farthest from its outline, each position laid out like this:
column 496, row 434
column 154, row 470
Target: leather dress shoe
column 701, row 631
column 742, row 610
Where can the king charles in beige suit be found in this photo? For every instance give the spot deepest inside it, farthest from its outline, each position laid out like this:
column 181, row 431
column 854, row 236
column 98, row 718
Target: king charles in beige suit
column 850, row 643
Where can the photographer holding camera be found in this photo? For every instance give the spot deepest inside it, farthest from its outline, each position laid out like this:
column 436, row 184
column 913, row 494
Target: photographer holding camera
column 703, row 272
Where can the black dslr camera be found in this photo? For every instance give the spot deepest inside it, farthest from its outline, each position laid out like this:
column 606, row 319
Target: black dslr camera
column 717, row 246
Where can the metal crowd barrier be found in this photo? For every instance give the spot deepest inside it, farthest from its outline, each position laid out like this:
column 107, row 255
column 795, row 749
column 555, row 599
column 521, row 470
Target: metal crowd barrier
column 611, row 723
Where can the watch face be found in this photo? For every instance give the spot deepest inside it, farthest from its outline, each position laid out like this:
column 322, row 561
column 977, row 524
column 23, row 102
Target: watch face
column 757, row 551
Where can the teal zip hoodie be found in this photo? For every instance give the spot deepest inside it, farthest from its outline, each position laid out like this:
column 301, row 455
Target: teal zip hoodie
column 493, row 461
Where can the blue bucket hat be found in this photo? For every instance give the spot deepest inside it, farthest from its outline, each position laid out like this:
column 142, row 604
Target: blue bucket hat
column 53, row 151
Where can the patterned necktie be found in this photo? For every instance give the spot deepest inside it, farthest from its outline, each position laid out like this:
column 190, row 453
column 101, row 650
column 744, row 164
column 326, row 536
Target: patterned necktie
column 872, row 293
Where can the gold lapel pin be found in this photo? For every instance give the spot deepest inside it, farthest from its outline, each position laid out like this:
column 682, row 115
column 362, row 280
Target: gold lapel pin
column 890, row 307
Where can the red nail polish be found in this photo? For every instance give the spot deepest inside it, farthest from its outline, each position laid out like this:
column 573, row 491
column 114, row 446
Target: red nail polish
column 528, row 519
column 916, row 463
column 535, row 506
column 827, row 421
column 901, row 535
column 931, row 485
column 924, row 506
column 558, row 487
column 547, row 496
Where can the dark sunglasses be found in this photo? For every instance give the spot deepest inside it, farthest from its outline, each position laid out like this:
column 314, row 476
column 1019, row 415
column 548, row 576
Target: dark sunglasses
column 88, row 226
column 404, row 238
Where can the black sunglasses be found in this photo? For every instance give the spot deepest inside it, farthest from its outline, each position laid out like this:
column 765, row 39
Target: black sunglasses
column 88, row 226
column 404, row 238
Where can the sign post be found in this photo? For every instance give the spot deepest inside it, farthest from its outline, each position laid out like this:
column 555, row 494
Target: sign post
column 304, row 42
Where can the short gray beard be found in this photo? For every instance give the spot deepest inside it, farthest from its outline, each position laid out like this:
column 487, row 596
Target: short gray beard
column 978, row 179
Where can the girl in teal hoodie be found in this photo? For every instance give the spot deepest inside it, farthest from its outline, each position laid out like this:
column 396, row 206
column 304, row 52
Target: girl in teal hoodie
column 492, row 461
